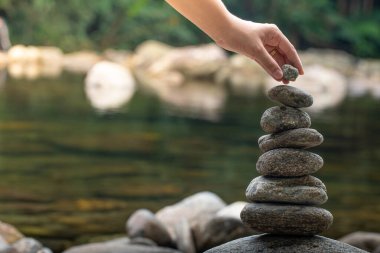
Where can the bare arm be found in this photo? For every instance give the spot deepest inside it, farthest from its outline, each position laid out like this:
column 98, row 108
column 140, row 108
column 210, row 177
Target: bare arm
column 264, row 43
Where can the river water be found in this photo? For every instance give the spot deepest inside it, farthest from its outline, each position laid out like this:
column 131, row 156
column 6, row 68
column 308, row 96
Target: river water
column 70, row 173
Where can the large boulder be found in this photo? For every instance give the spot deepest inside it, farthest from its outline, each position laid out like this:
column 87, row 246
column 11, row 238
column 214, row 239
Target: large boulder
column 143, row 223
column 327, row 86
column 284, row 244
column 364, row 240
column 184, row 237
column 196, row 210
column 243, row 75
column 80, row 62
column 109, row 86
column 118, row 246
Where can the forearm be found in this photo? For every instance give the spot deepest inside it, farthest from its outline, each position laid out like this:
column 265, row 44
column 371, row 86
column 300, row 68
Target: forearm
column 211, row 16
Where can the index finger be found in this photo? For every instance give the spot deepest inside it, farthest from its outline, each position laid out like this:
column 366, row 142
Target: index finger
column 290, row 52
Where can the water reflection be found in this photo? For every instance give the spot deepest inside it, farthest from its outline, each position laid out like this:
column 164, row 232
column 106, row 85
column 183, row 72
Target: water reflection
column 109, row 86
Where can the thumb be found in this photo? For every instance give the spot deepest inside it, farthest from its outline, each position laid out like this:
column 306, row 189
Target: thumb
column 269, row 64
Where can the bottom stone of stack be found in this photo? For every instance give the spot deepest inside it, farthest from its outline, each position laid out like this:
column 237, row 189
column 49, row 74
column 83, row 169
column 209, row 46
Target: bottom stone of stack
column 284, row 244
column 286, row 219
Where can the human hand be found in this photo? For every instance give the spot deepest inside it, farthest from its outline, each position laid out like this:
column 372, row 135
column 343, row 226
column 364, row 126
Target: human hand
column 264, row 43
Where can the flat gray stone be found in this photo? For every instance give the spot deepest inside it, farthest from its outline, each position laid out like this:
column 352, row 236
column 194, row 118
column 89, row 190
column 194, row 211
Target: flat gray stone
column 285, row 244
column 307, row 190
column 295, row 138
column 290, row 96
column 286, row 162
column 285, row 219
column 290, row 73
column 281, row 118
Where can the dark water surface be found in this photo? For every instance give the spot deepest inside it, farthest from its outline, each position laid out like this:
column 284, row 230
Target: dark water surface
column 69, row 173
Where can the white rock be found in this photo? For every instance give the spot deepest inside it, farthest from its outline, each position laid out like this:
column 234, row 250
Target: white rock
column 327, row 86
column 232, row 211
column 109, row 86
column 366, row 79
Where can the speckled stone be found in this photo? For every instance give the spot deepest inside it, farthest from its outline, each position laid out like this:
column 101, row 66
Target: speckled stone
column 295, row 138
column 290, row 73
column 282, row 118
column 307, row 190
column 286, row 162
column 290, row 96
column 286, row 219
column 285, row 244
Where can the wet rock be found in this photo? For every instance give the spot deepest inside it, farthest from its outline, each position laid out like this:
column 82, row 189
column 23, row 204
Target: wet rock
column 286, row 162
column 285, row 244
column 290, row 96
column 232, row 211
column 286, row 219
column 219, row 230
column 144, row 223
column 109, row 86
column 307, row 190
column 364, row 240
column 295, row 138
column 282, row 118
column 185, row 242
column 290, row 73
column 196, row 209
column 27, row 245
column 9, row 232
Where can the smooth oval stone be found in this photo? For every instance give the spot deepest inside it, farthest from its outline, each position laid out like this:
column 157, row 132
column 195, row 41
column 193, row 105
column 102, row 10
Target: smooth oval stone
column 286, row 162
column 285, row 244
column 286, row 219
column 282, row 118
column 307, row 190
column 295, row 138
column 290, row 96
column 290, row 73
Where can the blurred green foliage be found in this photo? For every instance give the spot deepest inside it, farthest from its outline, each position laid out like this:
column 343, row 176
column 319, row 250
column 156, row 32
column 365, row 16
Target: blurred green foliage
column 73, row 24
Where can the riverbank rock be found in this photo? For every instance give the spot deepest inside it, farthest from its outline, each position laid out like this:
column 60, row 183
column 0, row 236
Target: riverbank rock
column 290, row 96
column 287, row 162
column 109, row 86
column 80, row 62
column 232, row 210
column 184, row 236
column 143, row 223
column 366, row 79
column 307, row 190
column 286, row 219
column 282, row 118
column 243, row 75
column 364, row 240
column 9, row 233
column 285, row 244
column 300, row 138
column 28, row 245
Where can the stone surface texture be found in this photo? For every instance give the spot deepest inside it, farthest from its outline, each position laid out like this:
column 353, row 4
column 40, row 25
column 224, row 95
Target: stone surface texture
column 286, row 219
column 285, row 244
column 282, row 118
column 307, row 190
column 290, row 73
column 286, row 162
column 290, row 96
column 301, row 138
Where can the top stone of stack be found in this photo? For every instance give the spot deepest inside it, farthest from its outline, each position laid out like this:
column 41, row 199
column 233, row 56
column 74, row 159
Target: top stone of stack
column 290, row 96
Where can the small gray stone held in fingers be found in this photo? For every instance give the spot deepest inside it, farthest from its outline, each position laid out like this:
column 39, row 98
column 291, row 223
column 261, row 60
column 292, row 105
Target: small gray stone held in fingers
column 290, row 73
column 290, row 96
column 282, row 118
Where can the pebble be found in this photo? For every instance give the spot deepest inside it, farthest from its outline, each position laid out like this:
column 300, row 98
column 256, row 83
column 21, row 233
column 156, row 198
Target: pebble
column 286, row 162
column 286, row 219
column 282, row 118
column 285, row 244
column 290, row 96
column 307, row 190
column 296, row 138
column 143, row 223
column 290, row 73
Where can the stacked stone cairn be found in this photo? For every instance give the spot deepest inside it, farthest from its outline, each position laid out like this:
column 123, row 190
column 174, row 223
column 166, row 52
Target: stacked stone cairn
column 284, row 199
